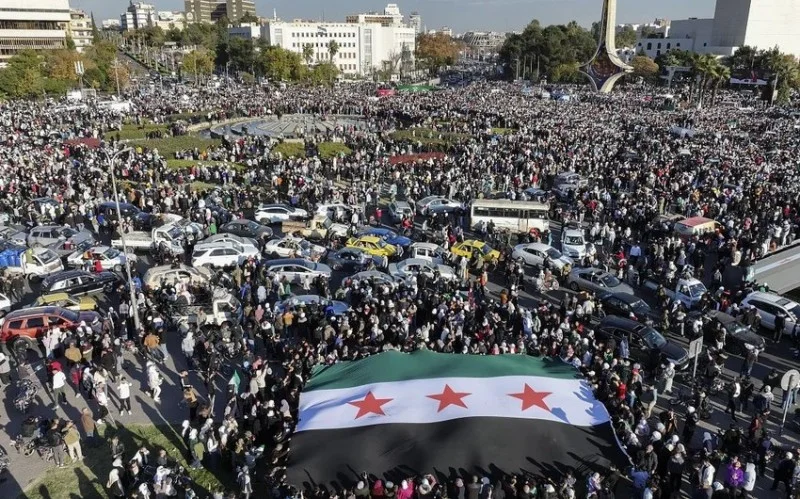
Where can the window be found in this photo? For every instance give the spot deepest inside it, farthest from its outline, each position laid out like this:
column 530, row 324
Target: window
column 658, row 46
column 35, row 322
column 678, row 44
column 705, row 44
column 658, row 53
column 649, row 46
column 669, row 45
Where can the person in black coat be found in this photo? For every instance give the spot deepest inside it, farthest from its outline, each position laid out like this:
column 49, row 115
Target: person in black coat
column 784, row 472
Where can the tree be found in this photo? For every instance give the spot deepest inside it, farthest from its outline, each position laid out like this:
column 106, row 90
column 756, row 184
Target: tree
column 23, row 78
column 199, row 63
column 280, row 64
column 248, row 18
column 308, row 53
column 95, row 31
column 644, row 66
column 333, row 49
column 241, row 53
column 435, row 51
column 69, row 43
column 626, row 37
column 325, row 72
column 566, row 73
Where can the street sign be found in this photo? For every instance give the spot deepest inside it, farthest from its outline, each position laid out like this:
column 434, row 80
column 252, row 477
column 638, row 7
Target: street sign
column 790, row 380
column 695, row 347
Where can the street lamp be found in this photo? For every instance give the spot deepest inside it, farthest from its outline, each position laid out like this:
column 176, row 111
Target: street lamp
column 111, row 159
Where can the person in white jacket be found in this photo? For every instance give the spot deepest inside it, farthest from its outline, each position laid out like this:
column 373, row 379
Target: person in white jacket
column 154, row 381
column 749, row 480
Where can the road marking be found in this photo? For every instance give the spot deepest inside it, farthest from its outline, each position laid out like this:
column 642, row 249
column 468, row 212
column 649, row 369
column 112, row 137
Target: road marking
column 773, row 265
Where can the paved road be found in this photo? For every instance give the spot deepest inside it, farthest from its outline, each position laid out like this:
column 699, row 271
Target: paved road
column 781, row 271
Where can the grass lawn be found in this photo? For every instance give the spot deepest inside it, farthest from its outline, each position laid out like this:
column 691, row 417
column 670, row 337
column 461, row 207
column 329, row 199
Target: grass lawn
column 328, row 150
column 88, row 478
column 290, row 149
column 503, row 131
column 132, row 131
column 428, row 136
column 168, row 146
column 186, row 116
column 179, row 164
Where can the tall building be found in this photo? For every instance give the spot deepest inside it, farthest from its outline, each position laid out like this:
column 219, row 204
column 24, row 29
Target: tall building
column 79, row 29
column 236, row 9
column 167, row 19
column 32, row 24
column 138, row 15
column 364, row 47
column 205, row 11
column 391, row 16
column 415, row 21
column 757, row 23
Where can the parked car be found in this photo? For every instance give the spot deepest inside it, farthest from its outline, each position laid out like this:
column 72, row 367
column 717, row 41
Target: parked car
column 428, row 251
column 646, row 345
column 770, row 305
column 738, row 336
column 46, row 235
column 169, row 275
column 65, row 300
column 5, row 305
column 627, row 305
column 297, row 270
column 222, row 254
column 535, row 254
column 331, row 307
column 292, row 247
column 471, row 247
column 109, row 258
column 375, row 246
column 597, row 280
column 413, row 267
column 574, row 245
column 108, row 213
column 22, row 329
column 398, row 209
column 80, row 282
column 276, row 213
column 432, row 205
column 246, row 228
column 389, row 236
column 377, row 277
column 249, row 245
column 349, row 259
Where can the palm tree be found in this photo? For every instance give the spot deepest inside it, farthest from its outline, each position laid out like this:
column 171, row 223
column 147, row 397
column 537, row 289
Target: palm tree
column 722, row 74
column 308, row 53
column 701, row 67
column 333, row 48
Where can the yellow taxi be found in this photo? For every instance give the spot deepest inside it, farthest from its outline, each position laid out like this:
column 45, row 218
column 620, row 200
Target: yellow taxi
column 373, row 245
column 472, row 247
column 76, row 303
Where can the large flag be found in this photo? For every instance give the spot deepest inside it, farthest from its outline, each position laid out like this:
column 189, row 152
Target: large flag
column 396, row 415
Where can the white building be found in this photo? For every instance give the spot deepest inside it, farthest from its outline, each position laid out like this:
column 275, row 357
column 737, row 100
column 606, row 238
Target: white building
column 391, row 16
column 758, row 23
column 363, row 47
column 137, row 16
column 110, row 24
column 692, row 34
column 415, row 21
column 165, row 19
column 246, row 31
column 79, row 29
column 32, row 24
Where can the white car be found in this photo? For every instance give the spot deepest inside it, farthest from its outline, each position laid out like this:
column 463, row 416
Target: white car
column 110, row 258
column 292, row 247
column 535, row 254
column 276, row 213
column 433, row 253
column 297, row 270
column 415, row 266
column 377, row 277
column 221, row 254
column 250, row 244
column 5, row 305
column 574, row 245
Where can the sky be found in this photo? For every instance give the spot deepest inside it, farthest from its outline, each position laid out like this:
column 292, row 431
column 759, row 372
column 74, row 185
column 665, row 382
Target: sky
column 460, row 15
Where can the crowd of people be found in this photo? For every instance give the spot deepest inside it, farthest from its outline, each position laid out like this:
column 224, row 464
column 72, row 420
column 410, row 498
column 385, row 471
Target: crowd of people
column 739, row 168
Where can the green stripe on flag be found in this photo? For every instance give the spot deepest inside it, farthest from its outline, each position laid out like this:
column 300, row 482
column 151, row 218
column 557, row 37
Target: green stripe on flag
column 424, row 364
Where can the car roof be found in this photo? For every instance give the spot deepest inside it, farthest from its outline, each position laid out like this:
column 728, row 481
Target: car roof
column 617, row 321
column 60, row 295
column 722, row 317
column 625, row 297
column 24, row 312
column 768, row 297
column 402, row 204
column 414, row 261
column 420, row 244
column 289, row 261
column 538, row 246
column 369, row 239
column 572, row 231
column 49, row 227
column 66, row 274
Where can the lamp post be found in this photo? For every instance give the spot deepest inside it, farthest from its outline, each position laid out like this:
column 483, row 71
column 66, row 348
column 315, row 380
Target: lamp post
column 134, row 306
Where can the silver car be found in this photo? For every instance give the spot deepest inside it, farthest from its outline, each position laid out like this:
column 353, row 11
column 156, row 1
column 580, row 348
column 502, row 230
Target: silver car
column 45, row 235
column 596, row 280
column 437, row 204
column 399, row 209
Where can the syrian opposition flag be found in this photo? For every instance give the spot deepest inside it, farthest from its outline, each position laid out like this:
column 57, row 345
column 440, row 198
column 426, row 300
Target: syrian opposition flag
column 396, row 415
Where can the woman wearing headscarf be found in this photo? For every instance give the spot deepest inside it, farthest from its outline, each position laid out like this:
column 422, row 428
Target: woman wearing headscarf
column 114, row 484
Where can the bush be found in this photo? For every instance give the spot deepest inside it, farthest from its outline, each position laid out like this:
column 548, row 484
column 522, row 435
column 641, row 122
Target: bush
column 329, row 150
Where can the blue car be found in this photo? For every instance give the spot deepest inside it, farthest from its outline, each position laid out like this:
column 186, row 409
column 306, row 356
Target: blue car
column 388, row 235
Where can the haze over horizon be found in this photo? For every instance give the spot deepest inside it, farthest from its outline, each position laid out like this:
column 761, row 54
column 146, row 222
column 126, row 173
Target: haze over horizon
column 460, row 15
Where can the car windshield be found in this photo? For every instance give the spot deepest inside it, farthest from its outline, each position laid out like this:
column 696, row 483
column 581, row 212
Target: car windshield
column 70, row 315
column 111, row 253
column 175, row 233
column 794, row 310
column 640, row 304
column 68, row 232
column 653, row 338
column 696, row 290
column 486, row 249
column 573, row 240
column 554, row 253
column 610, row 281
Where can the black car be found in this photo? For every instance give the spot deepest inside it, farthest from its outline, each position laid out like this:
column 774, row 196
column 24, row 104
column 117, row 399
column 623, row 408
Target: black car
column 349, row 259
column 79, row 282
column 647, row 346
column 141, row 220
column 627, row 305
column 738, row 336
column 246, row 228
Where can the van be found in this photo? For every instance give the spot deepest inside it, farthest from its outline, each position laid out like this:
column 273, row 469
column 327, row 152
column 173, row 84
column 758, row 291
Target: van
column 696, row 227
column 22, row 329
column 770, row 305
column 141, row 220
column 169, row 275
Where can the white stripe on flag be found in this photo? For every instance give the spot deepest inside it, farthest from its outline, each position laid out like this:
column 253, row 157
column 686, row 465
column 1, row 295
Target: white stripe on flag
column 570, row 401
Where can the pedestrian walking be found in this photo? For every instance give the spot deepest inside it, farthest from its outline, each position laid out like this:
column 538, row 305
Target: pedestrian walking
column 88, row 424
column 734, row 392
column 124, row 394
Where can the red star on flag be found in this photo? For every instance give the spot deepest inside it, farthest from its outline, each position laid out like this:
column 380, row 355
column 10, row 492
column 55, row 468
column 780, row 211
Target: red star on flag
column 531, row 397
column 370, row 405
column 448, row 397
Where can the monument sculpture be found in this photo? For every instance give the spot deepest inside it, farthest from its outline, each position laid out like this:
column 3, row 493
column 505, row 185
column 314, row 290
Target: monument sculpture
column 605, row 67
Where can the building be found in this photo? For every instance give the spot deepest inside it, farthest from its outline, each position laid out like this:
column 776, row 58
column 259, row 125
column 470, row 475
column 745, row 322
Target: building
column 205, row 11
column 691, row 34
column 444, row 30
column 79, row 29
column 391, row 16
column 483, row 42
column 236, row 9
column 110, row 24
column 415, row 21
column 756, row 23
column 166, row 19
column 364, row 47
column 32, row 24
column 138, row 16
column 246, row 31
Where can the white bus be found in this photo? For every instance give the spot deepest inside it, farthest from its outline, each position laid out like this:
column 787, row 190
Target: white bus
column 516, row 216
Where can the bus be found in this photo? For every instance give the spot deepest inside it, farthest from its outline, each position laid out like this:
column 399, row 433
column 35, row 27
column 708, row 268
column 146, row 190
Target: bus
column 516, row 216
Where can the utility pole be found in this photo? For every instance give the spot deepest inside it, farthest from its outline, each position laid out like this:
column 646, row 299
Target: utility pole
column 116, row 73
